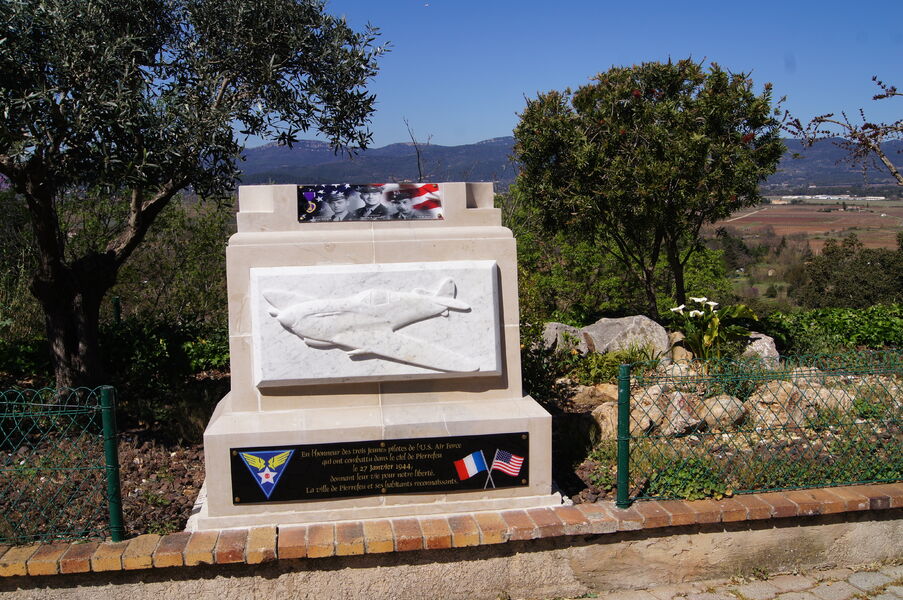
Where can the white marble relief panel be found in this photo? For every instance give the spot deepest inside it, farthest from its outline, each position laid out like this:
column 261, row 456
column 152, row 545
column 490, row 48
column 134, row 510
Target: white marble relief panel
column 377, row 322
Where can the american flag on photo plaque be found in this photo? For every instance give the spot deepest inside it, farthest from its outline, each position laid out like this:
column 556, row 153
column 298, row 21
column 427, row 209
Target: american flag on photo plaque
column 507, row 463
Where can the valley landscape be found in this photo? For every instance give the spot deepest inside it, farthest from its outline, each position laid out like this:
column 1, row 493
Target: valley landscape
column 875, row 226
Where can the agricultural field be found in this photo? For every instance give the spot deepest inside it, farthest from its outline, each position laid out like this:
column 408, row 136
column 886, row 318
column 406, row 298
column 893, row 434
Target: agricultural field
column 876, row 226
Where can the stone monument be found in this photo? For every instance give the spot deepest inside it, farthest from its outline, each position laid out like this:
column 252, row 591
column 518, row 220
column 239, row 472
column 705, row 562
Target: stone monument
column 375, row 359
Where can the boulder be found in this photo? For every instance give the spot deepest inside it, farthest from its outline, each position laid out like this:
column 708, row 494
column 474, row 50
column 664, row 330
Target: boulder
column 653, row 391
column 722, row 411
column 681, row 416
column 558, row 336
column 606, row 417
column 681, row 354
column 781, row 404
column 682, row 375
column 590, row 396
column 805, row 377
column 825, row 398
column 608, row 335
column 646, row 415
column 762, row 347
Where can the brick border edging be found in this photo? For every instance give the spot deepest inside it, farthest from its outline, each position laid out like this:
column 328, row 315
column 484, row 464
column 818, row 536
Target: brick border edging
column 264, row 544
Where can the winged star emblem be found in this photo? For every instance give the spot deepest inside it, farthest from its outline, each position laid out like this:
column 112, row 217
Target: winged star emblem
column 267, row 467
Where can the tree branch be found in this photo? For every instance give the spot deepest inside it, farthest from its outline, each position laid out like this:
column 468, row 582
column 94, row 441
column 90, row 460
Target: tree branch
column 142, row 214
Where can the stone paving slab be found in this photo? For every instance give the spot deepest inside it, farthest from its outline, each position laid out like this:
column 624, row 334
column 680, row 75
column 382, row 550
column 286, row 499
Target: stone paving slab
column 758, row 590
column 791, row 583
column 872, row 582
column 796, row 596
column 868, row 581
column 835, row 590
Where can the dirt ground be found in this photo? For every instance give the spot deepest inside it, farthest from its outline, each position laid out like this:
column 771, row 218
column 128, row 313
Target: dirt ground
column 159, row 482
column 876, row 227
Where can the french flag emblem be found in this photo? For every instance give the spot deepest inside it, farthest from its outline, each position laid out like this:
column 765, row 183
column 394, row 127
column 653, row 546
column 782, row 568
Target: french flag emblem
column 470, row 465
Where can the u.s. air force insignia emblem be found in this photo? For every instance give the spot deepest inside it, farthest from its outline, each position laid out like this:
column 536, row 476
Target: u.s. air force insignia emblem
column 267, row 467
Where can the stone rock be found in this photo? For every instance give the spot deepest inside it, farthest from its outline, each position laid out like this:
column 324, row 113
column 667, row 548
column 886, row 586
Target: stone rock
column 762, row 347
column 646, row 414
column 681, row 354
column 805, row 377
column 681, row 415
column 608, row 335
column 682, row 375
column 591, row 396
column 606, row 417
column 558, row 336
column 675, row 336
column 825, row 398
column 781, row 404
column 654, row 391
column 722, row 411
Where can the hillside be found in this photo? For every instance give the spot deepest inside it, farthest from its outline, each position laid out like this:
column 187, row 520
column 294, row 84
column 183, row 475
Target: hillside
column 313, row 162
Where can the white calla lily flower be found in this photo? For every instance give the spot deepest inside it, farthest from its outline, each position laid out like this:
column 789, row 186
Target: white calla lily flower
column 700, row 300
column 679, row 309
column 712, row 303
column 695, row 313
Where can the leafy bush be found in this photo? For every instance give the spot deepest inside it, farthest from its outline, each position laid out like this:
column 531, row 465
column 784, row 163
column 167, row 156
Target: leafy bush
column 153, row 365
column 689, row 478
column 850, row 275
column 24, row 358
column 832, row 329
column 211, row 351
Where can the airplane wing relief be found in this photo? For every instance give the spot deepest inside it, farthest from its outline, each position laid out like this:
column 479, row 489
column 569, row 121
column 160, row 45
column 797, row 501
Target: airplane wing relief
column 406, row 349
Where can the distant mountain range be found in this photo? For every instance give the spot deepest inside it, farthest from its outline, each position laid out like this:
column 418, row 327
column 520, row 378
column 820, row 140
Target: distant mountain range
column 314, row 162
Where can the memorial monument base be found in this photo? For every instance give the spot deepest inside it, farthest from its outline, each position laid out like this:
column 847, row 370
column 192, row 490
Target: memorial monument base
column 369, row 462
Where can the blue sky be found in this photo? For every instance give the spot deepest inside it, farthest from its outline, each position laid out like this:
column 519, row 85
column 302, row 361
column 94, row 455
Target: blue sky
column 459, row 69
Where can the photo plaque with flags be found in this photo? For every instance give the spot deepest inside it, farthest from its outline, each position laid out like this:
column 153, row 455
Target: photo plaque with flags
column 342, row 202
column 379, row 467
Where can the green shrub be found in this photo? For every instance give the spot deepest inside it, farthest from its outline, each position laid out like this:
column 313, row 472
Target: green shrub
column 210, row 351
column 833, row 329
column 153, row 365
column 24, row 358
column 689, row 479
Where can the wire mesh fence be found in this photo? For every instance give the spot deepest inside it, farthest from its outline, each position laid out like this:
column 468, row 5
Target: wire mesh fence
column 710, row 429
column 59, row 477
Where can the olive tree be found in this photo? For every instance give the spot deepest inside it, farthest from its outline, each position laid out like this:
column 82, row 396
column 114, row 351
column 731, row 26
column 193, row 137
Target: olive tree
column 129, row 103
column 642, row 157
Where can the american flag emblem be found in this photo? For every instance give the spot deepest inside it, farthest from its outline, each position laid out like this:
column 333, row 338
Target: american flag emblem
column 507, row 462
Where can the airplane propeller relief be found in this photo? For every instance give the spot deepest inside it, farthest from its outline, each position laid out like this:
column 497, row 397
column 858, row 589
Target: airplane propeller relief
column 365, row 325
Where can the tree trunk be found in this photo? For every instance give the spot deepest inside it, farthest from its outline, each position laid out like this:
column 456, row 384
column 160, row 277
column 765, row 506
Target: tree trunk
column 71, row 303
column 649, row 288
column 677, row 271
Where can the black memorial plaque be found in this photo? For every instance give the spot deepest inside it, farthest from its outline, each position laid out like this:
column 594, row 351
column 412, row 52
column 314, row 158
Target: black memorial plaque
column 379, row 467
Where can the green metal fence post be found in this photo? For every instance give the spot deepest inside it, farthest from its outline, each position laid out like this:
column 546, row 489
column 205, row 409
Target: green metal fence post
column 623, row 499
column 111, row 452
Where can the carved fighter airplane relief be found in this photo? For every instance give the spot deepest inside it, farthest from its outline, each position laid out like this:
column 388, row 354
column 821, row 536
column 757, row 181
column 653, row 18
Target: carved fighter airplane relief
column 365, row 325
